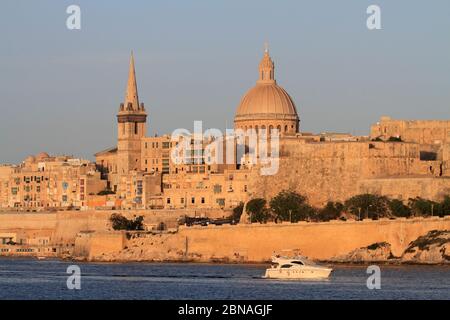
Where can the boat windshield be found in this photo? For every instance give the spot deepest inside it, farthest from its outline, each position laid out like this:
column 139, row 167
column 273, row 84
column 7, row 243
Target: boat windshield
column 297, row 262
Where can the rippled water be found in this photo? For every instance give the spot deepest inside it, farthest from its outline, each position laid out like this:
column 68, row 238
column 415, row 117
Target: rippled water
column 46, row 279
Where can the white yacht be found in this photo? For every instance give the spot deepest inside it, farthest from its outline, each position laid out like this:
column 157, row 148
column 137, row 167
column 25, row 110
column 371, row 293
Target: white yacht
column 297, row 267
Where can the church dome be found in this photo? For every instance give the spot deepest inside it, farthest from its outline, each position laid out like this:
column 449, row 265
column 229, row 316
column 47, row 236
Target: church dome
column 266, row 101
column 267, row 105
column 42, row 155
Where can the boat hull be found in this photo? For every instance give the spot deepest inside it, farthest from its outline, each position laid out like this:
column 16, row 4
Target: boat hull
column 298, row 273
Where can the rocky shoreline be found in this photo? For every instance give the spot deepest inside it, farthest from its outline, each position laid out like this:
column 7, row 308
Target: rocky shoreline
column 430, row 249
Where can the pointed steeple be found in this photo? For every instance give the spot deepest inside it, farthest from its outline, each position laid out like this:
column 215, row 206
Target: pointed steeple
column 131, row 95
column 266, row 68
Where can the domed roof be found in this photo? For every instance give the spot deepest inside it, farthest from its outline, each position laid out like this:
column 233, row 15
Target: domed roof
column 42, row 155
column 266, row 100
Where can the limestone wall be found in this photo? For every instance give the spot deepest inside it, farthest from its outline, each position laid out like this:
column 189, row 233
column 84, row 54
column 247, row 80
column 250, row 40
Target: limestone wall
column 406, row 188
column 90, row 244
column 62, row 227
column 333, row 171
column 316, row 240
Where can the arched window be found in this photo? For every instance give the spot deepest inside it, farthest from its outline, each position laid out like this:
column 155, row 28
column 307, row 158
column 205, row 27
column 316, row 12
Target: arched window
column 135, row 128
column 285, row 128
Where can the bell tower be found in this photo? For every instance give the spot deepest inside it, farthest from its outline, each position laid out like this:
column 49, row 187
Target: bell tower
column 131, row 120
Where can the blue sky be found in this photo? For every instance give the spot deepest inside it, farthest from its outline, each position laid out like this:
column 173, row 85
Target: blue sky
column 60, row 90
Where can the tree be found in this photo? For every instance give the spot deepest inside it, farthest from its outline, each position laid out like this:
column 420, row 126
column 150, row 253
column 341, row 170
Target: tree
column 423, row 207
column 237, row 212
column 368, row 205
column 105, row 192
column 291, row 206
column 399, row 209
column 119, row 222
column 445, row 205
column 331, row 211
column 257, row 210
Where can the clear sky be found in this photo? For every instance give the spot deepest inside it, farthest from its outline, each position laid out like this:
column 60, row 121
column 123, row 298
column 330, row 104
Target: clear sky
column 60, row 89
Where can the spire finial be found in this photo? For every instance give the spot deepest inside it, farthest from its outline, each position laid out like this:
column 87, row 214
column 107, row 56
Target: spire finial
column 131, row 95
column 266, row 47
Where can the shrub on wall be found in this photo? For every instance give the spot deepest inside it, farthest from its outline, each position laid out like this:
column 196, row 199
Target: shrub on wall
column 105, row 192
column 119, row 222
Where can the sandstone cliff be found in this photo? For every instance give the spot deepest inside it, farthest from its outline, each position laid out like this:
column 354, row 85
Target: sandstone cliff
column 432, row 248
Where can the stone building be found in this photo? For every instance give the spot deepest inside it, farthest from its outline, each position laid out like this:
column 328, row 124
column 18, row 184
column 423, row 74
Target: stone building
column 43, row 182
column 431, row 132
column 400, row 159
column 324, row 167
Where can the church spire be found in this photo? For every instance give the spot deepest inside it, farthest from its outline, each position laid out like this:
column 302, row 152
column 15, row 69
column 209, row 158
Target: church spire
column 131, row 97
column 266, row 67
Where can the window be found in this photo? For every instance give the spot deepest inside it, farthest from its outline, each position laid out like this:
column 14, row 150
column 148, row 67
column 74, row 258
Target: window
column 217, row 188
column 286, row 266
column 182, row 200
column 203, row 200
column 192, row 200
column 168, row 200
column 298, row 262
column 135, row 128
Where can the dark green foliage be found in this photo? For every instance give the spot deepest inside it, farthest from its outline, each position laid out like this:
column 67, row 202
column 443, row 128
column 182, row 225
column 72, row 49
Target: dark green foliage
column 257, row 210
column 368, row 205
column 399, row 209
column 423, row 208
column 119, row 222
column 377, row 245
column 105, row 192
column 445, row 206
column 424, row 242
column 331, row 211
column 290, row 206
column 237, row 212
column 395, row 139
